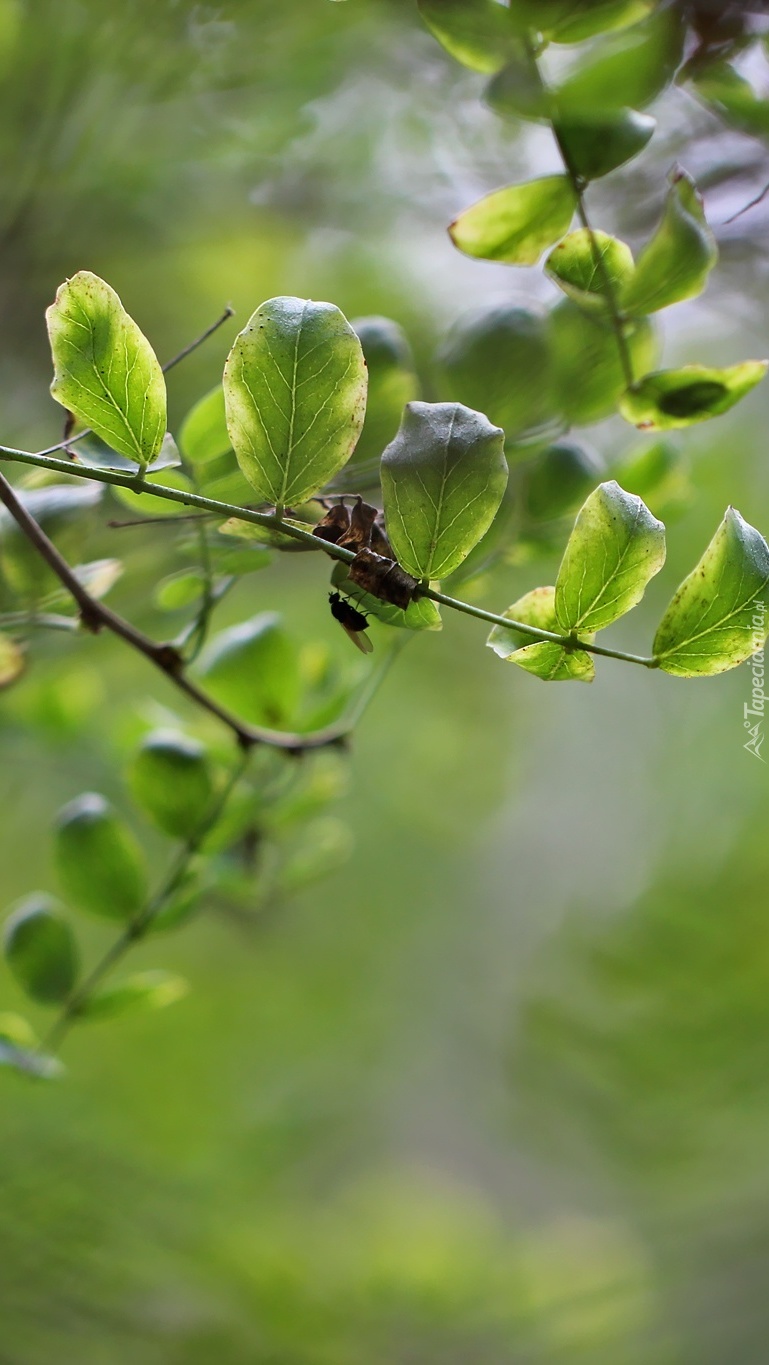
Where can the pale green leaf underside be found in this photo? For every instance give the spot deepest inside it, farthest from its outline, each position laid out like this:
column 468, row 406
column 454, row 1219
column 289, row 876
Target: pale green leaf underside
column 544, row 658
column 720, row 614
column 443, row 477
column 676, row 263
column 477, row 33
column 204, row 434
column 11, row 661
column 517, row 223
column 149, row 990
column 295, row 397
column 420, row 614
column 105, row 371
column 589, row 266
column 615, row 548
column 667, row 399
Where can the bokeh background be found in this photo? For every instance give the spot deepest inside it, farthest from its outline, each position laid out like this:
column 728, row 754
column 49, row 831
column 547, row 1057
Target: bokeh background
column 497, row 1090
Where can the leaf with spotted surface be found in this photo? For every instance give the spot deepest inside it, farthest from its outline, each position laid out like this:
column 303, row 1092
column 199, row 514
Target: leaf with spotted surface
column 295, row 397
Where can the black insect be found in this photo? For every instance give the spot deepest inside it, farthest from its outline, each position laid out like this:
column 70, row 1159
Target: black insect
column 352, row 621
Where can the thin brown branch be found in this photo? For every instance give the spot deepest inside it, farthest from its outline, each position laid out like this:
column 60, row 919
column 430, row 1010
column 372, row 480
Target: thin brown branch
column 96, row 616
column 229, row 312
column 746, row 207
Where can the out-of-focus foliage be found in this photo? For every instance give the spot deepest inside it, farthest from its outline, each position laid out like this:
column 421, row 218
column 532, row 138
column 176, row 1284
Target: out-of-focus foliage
column 495, row 1090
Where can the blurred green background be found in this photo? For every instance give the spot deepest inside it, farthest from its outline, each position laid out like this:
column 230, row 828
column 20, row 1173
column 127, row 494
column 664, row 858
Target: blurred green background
column 497, row 1090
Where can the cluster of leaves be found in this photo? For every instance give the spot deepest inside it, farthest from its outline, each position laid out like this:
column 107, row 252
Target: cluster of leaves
column 244, row 840
column 293, row 405
column 312, row 410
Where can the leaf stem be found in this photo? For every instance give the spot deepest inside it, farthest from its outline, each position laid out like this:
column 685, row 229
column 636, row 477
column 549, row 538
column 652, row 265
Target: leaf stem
column 96, row 616
column 158, row 653
column 578, row 185
column 565, row 641
column 137, row 928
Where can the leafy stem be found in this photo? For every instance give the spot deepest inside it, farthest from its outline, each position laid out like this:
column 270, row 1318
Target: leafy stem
column 159, row 654
column 578, row 185
column 96, row 616
column 139, row 926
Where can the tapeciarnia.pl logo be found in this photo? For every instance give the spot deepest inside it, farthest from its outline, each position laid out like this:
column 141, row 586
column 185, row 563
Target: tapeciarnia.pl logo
column 753, row 711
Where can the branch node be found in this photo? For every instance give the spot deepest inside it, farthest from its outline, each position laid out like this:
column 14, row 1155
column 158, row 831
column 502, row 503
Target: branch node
column 169, row 659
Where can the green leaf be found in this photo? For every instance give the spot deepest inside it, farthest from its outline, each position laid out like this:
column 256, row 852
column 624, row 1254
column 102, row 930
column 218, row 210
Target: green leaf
column 590, row 267
column 497, row 360
column 17, row 1030
column 170, row 780
column 421, row 614
column 733, row 97
column 179, row 590
column 253, row 669
column 544, row 658
column 667, row 399
column 559, row 480
column 616, row 547
column 476, row 33
column 144, row 505
column 64, row 510
column 267, row 535
column 12, row 661
column 150, row 990
column 100, row 865
column 98, row 577
column 517, row 223
column 577, row 22
column 657, row 472
column 184, row 902
column 392, row 383
column 321, row 847
column 105, row 371
column 517, row 91
column 677, row 261
column 40, row 950
column 236, row 561
column 222, row 480
column 564, row 21
column 596, row 143
column 589, row 379
column 628, row 69
column 204, row 435
column 443, row 478
column 718, row 618
column 295, row 394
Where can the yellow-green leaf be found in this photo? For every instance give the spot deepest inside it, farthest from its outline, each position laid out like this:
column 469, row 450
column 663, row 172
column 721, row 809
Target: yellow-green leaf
column 40, row 950
column 590, row 267
column 11, row 661
column 105, row 371
column 150, row 990
column 516, row 224
column 596, row 142
column 666, row 399
column 443, row 478
column 295, row 396
column 615, row 548
column 718, row 617
column 476, row 33
column 544, row 658
column 676, row 263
